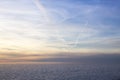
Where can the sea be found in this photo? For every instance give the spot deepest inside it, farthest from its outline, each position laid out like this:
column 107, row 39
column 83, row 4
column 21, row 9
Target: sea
column 59, row 71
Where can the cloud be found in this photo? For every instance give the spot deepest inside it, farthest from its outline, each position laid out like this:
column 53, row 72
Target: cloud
column 62, row 57
column 43, row 10
column 44, row 26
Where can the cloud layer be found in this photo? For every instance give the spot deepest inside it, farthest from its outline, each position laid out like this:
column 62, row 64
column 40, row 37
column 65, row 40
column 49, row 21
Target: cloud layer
column 52, row 26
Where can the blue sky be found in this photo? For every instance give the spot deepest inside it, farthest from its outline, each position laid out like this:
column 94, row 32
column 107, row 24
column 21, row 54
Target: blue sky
column 57, row 26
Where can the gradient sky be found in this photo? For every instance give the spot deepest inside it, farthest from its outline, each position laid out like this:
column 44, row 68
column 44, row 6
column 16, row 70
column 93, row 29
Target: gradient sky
column 31, row 29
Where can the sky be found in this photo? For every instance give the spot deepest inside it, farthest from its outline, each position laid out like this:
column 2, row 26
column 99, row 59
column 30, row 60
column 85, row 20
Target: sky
column 38, row 29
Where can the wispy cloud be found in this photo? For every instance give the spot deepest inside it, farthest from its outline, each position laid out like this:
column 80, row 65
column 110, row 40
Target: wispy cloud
column 52, row 26
column 42, row 10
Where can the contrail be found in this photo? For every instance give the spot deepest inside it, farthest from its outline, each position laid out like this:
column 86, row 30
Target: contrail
column 78, row 37
column 42, row 9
